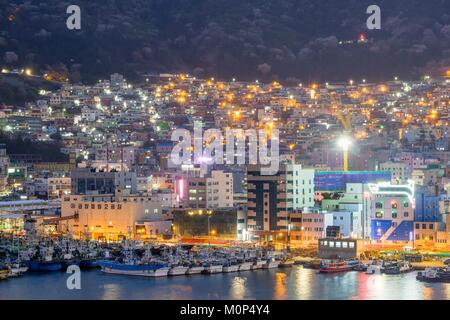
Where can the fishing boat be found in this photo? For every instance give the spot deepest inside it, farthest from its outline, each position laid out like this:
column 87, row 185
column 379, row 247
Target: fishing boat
column 16, row 269
column 144, row 270
column 286, row 263
column 271, row 263
column 178, row 270
column 44, row 261
column 4, row 273
column 258, row 264
column 89, row 263
column 329, row 266
column 373, row 269
column 69, row 260
column 314, row 264
column 43, row 266
column 213, row 268
column 195, row 269
column 398, row 267
column 434, row 275
column 230, row 267
column 245, row 266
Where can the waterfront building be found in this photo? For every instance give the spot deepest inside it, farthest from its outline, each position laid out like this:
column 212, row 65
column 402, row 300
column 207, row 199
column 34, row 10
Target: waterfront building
column 392, row 212
column 91, row 181
column 302, row 181
column 336, row 248
column 306, row 228
column 196, row 193
column 269, row 203
column 219, row 190
column 108, row 216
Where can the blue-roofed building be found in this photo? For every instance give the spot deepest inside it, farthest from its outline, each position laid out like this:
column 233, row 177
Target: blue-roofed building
column 337, row 180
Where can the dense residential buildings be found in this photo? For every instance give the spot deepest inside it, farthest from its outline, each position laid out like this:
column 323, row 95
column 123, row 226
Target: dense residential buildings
column 114, row 144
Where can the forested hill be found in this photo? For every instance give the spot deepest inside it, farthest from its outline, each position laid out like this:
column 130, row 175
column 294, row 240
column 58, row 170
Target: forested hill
column 247, row 39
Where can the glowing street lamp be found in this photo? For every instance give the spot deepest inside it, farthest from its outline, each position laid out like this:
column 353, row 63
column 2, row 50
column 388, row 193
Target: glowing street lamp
column 344, row 142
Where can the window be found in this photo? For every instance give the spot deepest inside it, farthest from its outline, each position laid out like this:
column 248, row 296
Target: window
column 405, row 214
column 344, row 244
column 424, row 226
column 331, row 244
column 338, row 244
column 351, row 244
column 394, row 214
column 431, row 226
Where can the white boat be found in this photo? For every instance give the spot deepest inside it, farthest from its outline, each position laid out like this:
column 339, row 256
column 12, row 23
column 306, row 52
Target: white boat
column 161, row 272
column 231, row 268
column 258, row 265
column 271, row 264
column 373, row 269
column 287, row 263
column 195, row 270
column 218, row 268
column 245, row 266
column 178, row 270
column 16, row 270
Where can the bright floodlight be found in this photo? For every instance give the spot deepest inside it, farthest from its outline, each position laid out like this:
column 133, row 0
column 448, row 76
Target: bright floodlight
column 344, row 142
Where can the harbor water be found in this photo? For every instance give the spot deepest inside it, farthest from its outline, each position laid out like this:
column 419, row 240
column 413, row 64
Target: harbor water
column 291, row 283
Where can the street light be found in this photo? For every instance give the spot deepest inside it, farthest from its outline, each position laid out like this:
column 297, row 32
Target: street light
column 344, row 142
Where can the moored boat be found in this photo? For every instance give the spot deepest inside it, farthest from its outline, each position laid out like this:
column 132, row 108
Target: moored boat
column 271, row 264
column 258, row 264
column 213, row 268
column 4, row 274
column 195, row 269
column 398, row 267
column 17, row 269
column 434, row 275
column 329, row 266
column 145, row 270
column 88, row 263
column 230, row 268
column 43, row 266
column 178, row 270
column 373, row 269
column 286, row 263
column 245, row 266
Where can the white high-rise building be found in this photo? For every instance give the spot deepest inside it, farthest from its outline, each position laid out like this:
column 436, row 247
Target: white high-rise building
column 219, row 190
column 302, row 181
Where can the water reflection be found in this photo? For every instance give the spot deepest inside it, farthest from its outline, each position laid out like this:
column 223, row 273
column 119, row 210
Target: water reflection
column 280, row 286
column 292, row 283
column 112, row 291
column 238, row 288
